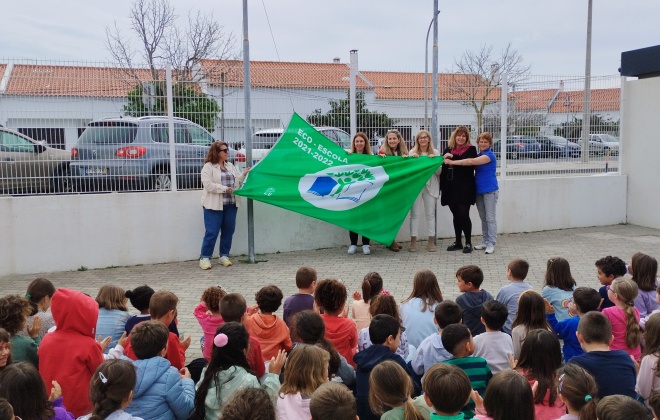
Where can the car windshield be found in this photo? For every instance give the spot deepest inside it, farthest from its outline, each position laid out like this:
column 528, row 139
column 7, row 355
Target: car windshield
column 108, row 132
column 608, row 138
column 558, row 140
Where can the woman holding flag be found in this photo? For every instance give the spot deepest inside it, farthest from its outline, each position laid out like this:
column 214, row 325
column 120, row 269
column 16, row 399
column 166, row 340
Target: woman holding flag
column 360, row 145
column 393, row 146
column 429, row 195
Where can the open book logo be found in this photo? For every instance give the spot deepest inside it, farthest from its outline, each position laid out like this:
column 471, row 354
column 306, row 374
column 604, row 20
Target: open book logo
column 342, row 187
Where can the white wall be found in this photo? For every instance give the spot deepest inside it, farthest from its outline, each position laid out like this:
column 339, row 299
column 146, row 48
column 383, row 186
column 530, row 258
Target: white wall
column 52, row 233
column 640, row 150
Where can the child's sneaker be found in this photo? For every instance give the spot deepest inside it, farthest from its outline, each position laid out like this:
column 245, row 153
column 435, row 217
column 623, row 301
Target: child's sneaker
column 366, row 249
column 204, row 263
column 225, row 261
column 352, row 249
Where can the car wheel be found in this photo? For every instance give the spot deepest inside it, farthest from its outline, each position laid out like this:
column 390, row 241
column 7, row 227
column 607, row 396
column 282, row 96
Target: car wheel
column 162, row 180
column 61, row 180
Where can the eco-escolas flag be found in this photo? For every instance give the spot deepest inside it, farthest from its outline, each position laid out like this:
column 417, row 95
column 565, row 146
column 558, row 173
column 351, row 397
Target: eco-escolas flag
column 307, row 173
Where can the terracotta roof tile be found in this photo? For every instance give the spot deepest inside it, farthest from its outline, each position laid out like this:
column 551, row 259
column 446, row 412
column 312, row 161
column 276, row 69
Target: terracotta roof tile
column 47, row 80
column 601, row 100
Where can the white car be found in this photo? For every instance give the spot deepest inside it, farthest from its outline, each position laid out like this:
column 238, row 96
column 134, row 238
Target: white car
column 264, row 140
column 604, row 143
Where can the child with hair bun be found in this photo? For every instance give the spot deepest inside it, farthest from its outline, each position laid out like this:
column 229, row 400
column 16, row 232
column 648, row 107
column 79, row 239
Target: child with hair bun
column 372, row 285
column 578, row 390
column 40, row 292
column 208, row 316
column 140, row 298
column 624, row 317
column 390, row 394
column 111, row 390
column 306, row 369
column 228, row 371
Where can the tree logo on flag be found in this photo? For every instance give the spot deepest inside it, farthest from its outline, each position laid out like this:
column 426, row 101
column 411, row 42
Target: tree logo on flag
column 342, row 187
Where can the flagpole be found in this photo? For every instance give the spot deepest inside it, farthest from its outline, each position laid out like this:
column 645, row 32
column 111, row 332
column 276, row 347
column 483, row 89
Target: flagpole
column 248, row 128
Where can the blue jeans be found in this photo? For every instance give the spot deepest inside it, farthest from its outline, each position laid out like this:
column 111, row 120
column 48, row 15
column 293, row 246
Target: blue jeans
column 486, row 205
column 221, row 222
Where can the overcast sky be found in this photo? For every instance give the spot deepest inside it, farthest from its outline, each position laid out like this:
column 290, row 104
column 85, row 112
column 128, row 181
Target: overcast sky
column 389, row 34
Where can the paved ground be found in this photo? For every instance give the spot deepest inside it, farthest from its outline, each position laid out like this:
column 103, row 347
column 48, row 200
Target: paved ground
column 582, row 247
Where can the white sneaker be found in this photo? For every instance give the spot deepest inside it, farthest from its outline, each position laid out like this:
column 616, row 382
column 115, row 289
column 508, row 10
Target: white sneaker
column 204, row 263
column 490, row 249
column 480, row 246
column 225, row 261
column 352, row 249
column 366, row 249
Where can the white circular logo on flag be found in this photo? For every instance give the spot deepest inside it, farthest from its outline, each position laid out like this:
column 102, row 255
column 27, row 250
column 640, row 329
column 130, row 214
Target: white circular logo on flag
column 342, row 187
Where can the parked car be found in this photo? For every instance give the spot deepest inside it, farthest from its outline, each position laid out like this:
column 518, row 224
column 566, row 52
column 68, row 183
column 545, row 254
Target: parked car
column 557, row 146
column 604, row 143
column 519, row 147
column 127, row 153
column 30, row 166
column 264, row 140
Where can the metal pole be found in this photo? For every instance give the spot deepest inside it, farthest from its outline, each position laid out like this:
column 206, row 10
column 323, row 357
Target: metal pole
column 426, row 76
column 222, row 106
column 434, row 119
column 170, row 124
column 503, row 123
column 352, row 93
column 586, row 115
column 622, row 119
column 248, row 128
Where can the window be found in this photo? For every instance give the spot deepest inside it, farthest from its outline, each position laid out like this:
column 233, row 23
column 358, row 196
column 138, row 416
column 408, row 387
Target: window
column 53, row 136
column 109, row 132
column 11, row 142
column 199, row 136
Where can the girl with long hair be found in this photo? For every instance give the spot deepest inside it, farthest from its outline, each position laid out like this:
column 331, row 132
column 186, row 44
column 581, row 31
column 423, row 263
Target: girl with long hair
column 578, row 390
column 530, row 316
column 228, row 371
column 644, row 270
column 306, row 369
column 111, row 390
column 360, row 145
column 40, row 291
column 648, row 377
column 508, row 396
column 390, row 394
column 417, row 311
column 558, row 286
column 624, row 317
column 458, row 188
column 540, row 357
column 393, row 146
column 372, row 285
column 383, row 304
column 113, row 313
column 429, row 195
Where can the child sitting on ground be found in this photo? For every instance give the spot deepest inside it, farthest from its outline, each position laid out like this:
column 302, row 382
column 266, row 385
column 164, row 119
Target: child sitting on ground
column 431, row 350
column 162, row 308
column 468, row 280
column 371, row 287
column 608, row 269
column 644, row 270
column 208, row 316
column 516, row 272
column 624, row 317
column 621, row 407
column 390, row 394
column 304, row 299
column 330, row 297
column 530, row 317
column 162, row 390
column 40, row 293
column 111, row 390
column 647, row 378
column 383, row 304
column 249, row 404
column 585, row 299
column 385, row 332
column 113, row 313
column 447, row 389
column 508, row 396
column 494, row 345
column 268, row 328
column 233, row 308
column 457, row 339
column 14, row 311
column 306, row 369
column 595, row 335
column 654, row 404
column 578, row 390
column 139, row 298
column 558, row 287
column 333, row 401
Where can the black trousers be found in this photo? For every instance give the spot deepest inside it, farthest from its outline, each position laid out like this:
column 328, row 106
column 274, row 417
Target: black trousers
column 462, row 222
column 354, row 237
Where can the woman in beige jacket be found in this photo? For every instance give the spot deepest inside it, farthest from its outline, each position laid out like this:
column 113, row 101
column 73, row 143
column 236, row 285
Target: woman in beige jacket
column 429, row 195
column 219, row 179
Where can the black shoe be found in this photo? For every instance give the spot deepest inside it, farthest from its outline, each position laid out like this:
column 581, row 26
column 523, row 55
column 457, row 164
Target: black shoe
column 467, row 249
column 455, row 246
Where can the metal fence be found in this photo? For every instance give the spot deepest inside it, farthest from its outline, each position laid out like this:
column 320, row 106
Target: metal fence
column 82, row 127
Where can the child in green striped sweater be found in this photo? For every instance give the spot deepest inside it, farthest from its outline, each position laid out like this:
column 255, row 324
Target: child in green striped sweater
column 457, row 340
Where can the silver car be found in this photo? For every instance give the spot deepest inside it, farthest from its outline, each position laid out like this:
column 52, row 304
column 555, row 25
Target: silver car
column 29, row 166
column 133, row 153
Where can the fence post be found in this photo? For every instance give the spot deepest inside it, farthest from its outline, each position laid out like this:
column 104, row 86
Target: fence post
column 504, row 87
column 170, row 125
column 622, row 117
column 353, row 109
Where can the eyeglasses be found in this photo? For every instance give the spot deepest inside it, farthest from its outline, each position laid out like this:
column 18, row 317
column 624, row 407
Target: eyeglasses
column 224, row 150
column 423, row 137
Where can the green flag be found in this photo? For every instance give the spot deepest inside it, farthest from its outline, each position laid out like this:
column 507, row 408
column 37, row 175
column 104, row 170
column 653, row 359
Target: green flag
column 307, row 173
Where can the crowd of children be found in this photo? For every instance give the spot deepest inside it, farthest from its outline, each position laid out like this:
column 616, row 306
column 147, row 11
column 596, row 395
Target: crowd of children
column 566, row 353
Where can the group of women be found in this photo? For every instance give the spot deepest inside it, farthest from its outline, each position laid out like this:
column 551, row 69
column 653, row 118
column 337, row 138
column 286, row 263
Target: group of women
column 467, row 177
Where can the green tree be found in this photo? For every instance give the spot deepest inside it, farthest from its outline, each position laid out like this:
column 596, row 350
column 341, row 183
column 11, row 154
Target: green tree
column 370, row 122
column 598, row 124
column 189, row 103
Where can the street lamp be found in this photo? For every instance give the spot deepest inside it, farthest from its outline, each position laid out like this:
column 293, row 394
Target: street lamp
column 426, row 75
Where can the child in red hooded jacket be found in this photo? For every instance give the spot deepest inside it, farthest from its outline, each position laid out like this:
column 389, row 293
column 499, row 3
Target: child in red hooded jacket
column 70, row 354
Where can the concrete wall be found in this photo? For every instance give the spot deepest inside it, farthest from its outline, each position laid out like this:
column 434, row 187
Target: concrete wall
column 52, row 233
column 640, row 150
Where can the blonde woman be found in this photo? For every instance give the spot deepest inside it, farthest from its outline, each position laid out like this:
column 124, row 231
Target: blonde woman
column 429, row 195
column 393, row 146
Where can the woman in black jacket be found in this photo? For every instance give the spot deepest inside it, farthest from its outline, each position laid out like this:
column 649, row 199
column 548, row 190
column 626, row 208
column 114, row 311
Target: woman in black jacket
column 458, row 189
